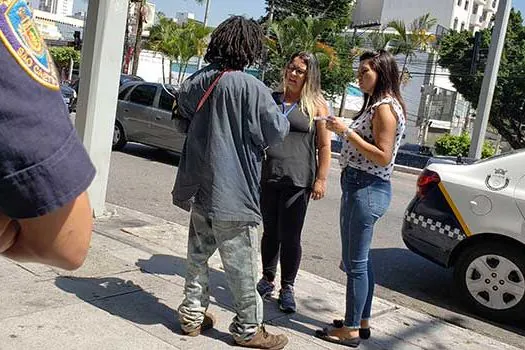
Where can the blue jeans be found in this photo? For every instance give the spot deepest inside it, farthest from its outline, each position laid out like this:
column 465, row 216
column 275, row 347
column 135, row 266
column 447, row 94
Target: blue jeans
column 364, row 200
column 238, row 244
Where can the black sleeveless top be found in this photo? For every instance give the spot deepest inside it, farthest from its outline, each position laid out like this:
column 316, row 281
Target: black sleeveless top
column 292, row 162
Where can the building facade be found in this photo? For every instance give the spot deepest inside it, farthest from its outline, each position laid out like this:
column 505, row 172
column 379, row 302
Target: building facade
column 434, row 106
column 450, row 14
column 57, row 7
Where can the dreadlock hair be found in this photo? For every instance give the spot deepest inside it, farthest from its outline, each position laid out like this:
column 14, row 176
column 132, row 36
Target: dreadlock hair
column 236, row 43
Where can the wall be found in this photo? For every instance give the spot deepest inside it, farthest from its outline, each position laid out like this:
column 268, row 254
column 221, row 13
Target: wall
column 150, row 67
column 408, row 10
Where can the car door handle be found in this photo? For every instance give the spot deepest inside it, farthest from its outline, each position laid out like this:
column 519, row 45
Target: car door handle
column 126, row 110
column 158, row 118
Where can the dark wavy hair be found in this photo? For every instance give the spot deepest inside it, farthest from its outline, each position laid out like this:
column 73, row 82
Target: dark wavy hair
column 236, row 43
column 388, row 78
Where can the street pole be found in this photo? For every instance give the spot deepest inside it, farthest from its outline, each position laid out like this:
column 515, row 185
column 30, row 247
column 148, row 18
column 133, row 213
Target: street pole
column 206, row 13
column 97, row 100
column 138, row 38
column 268, row 29
column 490, row 78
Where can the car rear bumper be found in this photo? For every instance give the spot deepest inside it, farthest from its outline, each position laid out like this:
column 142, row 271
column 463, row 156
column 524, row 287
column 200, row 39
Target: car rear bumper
column 430, row 227
column 416, row 240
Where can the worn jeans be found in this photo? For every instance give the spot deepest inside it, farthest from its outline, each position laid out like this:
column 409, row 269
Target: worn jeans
column 237, row 243
column 364, row 200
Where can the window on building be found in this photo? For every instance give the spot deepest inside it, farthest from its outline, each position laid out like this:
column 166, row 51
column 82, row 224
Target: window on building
column 455, row 27
column 494, row 2
column 484, row 16
column 466, row 4
column 462, row 26
column 459, row 2
column 476, row 9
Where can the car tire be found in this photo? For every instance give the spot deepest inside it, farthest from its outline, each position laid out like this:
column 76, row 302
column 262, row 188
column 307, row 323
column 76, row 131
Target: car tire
column 490, row 278
column 119, row 138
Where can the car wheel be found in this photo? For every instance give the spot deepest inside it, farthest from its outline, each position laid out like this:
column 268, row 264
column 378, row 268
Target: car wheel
column 491, row 279
column 119, row 138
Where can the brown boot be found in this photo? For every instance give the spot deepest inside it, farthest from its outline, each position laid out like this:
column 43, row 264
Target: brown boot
column 207, row 323
column 264, row 340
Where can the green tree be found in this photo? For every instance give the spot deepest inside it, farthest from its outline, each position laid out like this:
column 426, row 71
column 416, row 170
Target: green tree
column 189, row 42
column 411, row 38
column 178, row 42
column 62, row 56
column 339, row 11
column 160, row 35
column 379, row 39
column 448, row 145
column 508, row 106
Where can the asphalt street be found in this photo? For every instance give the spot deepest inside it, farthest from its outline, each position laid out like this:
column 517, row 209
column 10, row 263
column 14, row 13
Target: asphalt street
column 141, row 178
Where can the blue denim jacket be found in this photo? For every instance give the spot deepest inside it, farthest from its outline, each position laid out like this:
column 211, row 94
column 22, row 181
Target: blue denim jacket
column 220, row 168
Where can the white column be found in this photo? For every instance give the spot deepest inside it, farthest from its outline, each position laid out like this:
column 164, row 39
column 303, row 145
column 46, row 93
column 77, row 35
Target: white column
column 490, row 78
column 99, row 82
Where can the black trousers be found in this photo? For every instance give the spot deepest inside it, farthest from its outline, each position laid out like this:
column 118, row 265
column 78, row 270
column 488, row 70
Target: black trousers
column 283, row 210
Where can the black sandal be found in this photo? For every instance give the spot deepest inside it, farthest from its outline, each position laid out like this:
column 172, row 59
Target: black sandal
column 364, row 333
column 350, row 342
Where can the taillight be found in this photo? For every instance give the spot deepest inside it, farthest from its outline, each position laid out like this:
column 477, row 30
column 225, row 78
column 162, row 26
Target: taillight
column 425, row 182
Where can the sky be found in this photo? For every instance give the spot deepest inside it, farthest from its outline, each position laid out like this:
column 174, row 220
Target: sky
column 219, row 9
column 222, row 9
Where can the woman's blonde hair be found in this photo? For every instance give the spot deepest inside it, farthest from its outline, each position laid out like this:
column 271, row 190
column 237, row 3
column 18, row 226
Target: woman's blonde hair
column 311, row 94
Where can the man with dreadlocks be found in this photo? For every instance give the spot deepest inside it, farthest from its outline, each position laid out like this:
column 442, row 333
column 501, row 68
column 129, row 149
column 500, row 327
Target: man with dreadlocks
column 232, row 119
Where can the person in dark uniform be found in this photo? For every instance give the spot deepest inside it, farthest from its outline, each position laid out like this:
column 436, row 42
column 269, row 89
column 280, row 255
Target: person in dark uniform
column 45, row 215
column 293, row 172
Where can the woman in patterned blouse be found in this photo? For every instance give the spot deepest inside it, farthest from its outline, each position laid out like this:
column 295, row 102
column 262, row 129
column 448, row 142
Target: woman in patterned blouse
column 367, row 160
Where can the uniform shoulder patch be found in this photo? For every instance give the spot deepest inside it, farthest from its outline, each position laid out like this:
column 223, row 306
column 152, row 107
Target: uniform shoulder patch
column 21, row 37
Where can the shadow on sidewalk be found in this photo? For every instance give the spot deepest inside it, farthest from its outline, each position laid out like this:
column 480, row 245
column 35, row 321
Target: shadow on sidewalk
column 219, row 290
column 121, row 298
column 129, row 301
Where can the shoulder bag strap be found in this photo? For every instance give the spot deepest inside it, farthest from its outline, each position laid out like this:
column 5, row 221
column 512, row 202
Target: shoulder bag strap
column 209, row 91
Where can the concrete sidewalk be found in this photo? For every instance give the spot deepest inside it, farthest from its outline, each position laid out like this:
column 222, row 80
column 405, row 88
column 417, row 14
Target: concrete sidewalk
column 127, row 293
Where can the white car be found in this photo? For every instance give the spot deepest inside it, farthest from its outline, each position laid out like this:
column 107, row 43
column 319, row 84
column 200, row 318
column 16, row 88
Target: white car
column 472, row 218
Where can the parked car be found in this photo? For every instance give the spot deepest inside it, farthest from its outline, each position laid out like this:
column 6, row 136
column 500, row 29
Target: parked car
column 124, row 78
column 450, row 160
column 472, row 217
column 144, row 116
column 414, row 155
column 69, row 96
column 416, row 149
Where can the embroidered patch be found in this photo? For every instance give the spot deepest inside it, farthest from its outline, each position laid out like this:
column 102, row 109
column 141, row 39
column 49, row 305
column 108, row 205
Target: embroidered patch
column 21, row 37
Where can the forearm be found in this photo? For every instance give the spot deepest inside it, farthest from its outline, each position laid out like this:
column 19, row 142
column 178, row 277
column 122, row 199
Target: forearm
column 323, row 165
column 370, row 151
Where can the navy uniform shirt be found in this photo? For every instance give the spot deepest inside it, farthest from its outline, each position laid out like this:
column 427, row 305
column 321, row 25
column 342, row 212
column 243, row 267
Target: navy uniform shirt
column 43, row 165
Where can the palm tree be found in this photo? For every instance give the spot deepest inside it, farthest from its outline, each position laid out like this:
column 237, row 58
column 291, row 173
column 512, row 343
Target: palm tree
column 160, row 35
column 205, row 23
column 190, row 42
column 412, row 38
column 293, row 34
column 139, row 13
column 380, row 40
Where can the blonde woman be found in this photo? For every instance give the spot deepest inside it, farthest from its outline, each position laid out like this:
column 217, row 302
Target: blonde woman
column 293, row 172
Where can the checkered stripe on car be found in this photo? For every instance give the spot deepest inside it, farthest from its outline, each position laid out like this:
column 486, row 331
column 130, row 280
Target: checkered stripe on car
column 433, row 225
